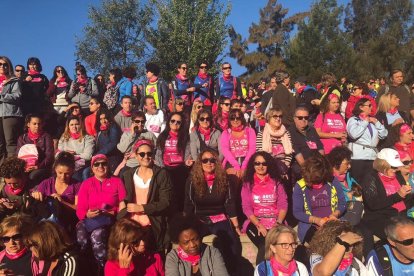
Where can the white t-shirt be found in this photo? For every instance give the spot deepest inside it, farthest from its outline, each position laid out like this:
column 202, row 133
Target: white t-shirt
column 316, row 259
column 155, row 123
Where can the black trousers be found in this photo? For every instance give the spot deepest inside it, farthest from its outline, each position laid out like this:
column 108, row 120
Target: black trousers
column 257, row 240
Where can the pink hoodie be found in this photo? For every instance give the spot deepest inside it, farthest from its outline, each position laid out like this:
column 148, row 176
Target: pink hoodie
column 228, row 156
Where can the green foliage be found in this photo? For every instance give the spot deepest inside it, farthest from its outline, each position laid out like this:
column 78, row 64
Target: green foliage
column 270, row 36
column 188, row 31
column 115, row 36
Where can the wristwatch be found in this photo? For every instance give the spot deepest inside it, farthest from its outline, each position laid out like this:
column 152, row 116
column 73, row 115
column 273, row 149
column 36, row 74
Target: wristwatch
column 344, row 244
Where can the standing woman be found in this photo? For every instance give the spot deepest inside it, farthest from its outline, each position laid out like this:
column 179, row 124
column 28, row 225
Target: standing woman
column 58, row 89
column 221, row 119
column 82, row 89
column 330, row 125
column 10, row 109
column 112, row 92
column 237, row 144
column 360, row 90
column 264, row 200
column 149, row 194
column 183, row 87
column 197, row 106
column 365, row 133
column 210, row 196
column 205, row 87
column 204, row 134
column 388, row 113
column 173, row 153
column 90, row 120
column 35, row 85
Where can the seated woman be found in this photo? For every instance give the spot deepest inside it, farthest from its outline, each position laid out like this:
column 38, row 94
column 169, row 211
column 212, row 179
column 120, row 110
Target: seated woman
column 128, row 253
column 99, row 200
column 385, row 196
column 264, row 200
column 330, row 125
column 336, row 249
column 63, row 188
column 52, row 250
column 275, row 138
column 148, row 194
column 280, row 246
column 15, row 257
column 14, row 192
column 388, row 113
column 237, row 144
column 211, row 197
column 36, row 142
column 75, row 141
column 401, row 139
column 197, row 106
column 221, row 118
column 72, row 110
column 90, row 120
column 204, row 134
column 191, row 256
column 316, row 198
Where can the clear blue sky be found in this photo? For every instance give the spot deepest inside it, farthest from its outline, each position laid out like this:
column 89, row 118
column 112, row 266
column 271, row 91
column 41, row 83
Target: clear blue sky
column 47, row 29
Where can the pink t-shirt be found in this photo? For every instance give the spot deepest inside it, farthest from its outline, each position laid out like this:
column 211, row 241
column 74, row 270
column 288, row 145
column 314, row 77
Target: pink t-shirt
column 239, row 145
column 171, row 156
column 330, row 123
column 391, row 187
column 265, row 201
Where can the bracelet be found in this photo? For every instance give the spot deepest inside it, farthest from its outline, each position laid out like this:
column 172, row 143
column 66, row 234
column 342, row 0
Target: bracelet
column 343, row 243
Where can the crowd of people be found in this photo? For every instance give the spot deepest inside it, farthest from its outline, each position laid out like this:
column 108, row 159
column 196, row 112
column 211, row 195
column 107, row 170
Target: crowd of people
column 117, row 178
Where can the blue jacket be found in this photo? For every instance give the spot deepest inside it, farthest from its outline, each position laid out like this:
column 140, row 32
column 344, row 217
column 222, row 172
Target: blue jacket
column 125, row 88
column 107, row 140
column 10, row 99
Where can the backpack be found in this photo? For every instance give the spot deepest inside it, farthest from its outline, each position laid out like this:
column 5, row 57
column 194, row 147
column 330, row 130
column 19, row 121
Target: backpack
column 29, row 154
column 111, row 96
column 383, row 259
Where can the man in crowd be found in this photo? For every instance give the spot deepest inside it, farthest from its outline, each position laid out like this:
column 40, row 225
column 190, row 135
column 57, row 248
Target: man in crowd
column 123, row 117
column 19, row 71
column 155, row 122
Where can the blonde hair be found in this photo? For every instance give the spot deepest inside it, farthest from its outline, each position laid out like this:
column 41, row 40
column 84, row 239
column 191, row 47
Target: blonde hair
column 66, row 134
column 273, row 235
column 9, row 68
column 384, row 102
column 272, row 111
column 194, row 110
column 381, row 165
column 177, row 101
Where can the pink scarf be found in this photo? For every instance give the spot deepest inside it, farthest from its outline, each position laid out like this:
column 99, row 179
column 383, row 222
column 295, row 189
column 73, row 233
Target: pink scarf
column 173, row 134
column 103, row 127
column 14, row 256
column 202, row 75
column 392, row 111
column 181, row 78
column 33, row 136
column 281, row 270
column 33, row 72
column 205, row 132
column 224, row 120
column 82, row 81
column 125, row 113
column 238, row 129
column 227, row 77
column 209, row 178
column 61, row 82
column 154, row 79
column 317, row 186
column 346, row 262
column 2, row 81
column 11, row 191
column 193, row 259
column 392, row 186
column 75, row 136
column 268, row 133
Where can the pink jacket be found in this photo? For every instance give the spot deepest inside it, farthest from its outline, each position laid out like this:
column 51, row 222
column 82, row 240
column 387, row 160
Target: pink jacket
column 149, row 265
column 228, row 156
column 96, row 195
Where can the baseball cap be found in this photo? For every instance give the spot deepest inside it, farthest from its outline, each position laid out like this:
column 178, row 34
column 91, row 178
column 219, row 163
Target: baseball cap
column 391, row 156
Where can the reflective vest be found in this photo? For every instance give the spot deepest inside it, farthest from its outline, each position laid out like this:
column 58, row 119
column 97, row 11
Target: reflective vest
column 334, row 197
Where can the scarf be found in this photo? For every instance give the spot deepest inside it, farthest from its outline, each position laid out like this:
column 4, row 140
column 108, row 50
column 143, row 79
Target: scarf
column 33, row 72
column 209, row 178
column 13, row 191
column 112, row 84
column 202, row 75
column 181, row 78
column 393, row 111
column 237, row 129
column 268, row 133
column 224, row 122
column 125, row 113
column 193, row 259
column 227, row 77
column 33, row 136
column 154, row 79
column 281, row 270
column 2, row 81
column 346, row 262
column 14, row 256
column 103, row 127
column 173, row 134
column 258, row 180
column 75, row 136
column 317, row 186
column 61, row 82
column 386, row 178
column 82, row 81
column 205, row 132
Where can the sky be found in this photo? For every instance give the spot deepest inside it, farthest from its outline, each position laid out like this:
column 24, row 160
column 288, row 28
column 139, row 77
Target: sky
column 48, row 29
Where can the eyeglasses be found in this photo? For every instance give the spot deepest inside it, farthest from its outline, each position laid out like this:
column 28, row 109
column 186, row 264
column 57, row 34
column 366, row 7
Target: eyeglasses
column 15, row 237
column 235, row 118
column 179, row 103
column 257, row 164
column 226, row 68
column 369, row 105
column 139, row 121
column 142, row 154
column 203, row 67
column 183, row 68
column 102, row 164
column 59, row 71
column 209, row 160
column 175, row 122
column 19, row 70
column 277, row 116
column 226, row 104
column 301, row 118
column 199, row 107
column 284, row 245
column 203, row 119
column 407, row 162
column 4, row 65
column 406, row 242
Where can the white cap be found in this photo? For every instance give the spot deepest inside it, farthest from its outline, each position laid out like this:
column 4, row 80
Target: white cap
column 391, row 156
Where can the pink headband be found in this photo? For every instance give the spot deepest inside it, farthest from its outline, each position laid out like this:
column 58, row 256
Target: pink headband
column 404, row 128
column 141, row 142
column 97, row 157
column 333, row 96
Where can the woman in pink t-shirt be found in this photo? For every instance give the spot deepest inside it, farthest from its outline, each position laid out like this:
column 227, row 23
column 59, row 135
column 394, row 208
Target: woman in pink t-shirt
column 264, row 200
column 330, row 125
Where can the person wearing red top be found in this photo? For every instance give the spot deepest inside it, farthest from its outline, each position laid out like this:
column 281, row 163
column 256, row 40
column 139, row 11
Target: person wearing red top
column 90, row 120
column 401, row 138
column 360, row 90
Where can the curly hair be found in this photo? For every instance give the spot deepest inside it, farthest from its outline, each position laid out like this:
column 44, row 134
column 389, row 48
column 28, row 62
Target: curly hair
column 13, row 167
column 181, row 222
column 317, row 169
column 153, row 68
column 197, row 176
column 271, row 168
column 129, row 72
column 337, row 155
column 324, row 239
column 393, row 135
column 182, row 134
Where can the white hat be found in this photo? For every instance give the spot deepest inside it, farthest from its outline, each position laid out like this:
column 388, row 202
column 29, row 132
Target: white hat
column 391, row 156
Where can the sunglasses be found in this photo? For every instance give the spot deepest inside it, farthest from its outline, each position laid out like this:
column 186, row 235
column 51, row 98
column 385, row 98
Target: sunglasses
column 235, row 118
column 209, row 160
column 175, row 122
column 203, row 119
column 226, row 104
column 32, row 244
column 406, row 242
column 5, row 65
column 59, row 71
column 102, row 164
column 277, row 116
column 142, row 154
column 20, row 70
column 369, row 105
column 179, row 103
column 300, row 118
column 139, row 121
column 226, row 68
column 355, row 88
column 394, row 168
column 407, row 162
column 264, row 164
column 203, row 67
column 183, row 68
column 15, row 237
column 78, row 74
column 199, row 107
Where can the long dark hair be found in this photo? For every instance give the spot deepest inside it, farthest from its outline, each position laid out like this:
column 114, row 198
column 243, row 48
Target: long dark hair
column 218, row 116
column 271, row 168
column 65, row 74
column 182, row 134
column 357, row 109
column 108, row 116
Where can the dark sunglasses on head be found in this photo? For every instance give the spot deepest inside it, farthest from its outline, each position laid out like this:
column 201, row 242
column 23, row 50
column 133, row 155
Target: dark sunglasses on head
column 264, row 164
column 406, row 242
column 177, row 122
column 142, row 154
column 139, row 121
column 202, row 119
column 102, row 164
column 226, row 104
column 302, row 118
column 15, row 237
column 209, row 160
column 235, row 118
column 407, row 162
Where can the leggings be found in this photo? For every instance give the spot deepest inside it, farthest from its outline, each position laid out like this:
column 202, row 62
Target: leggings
column 257, row 240
column 98, row 239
